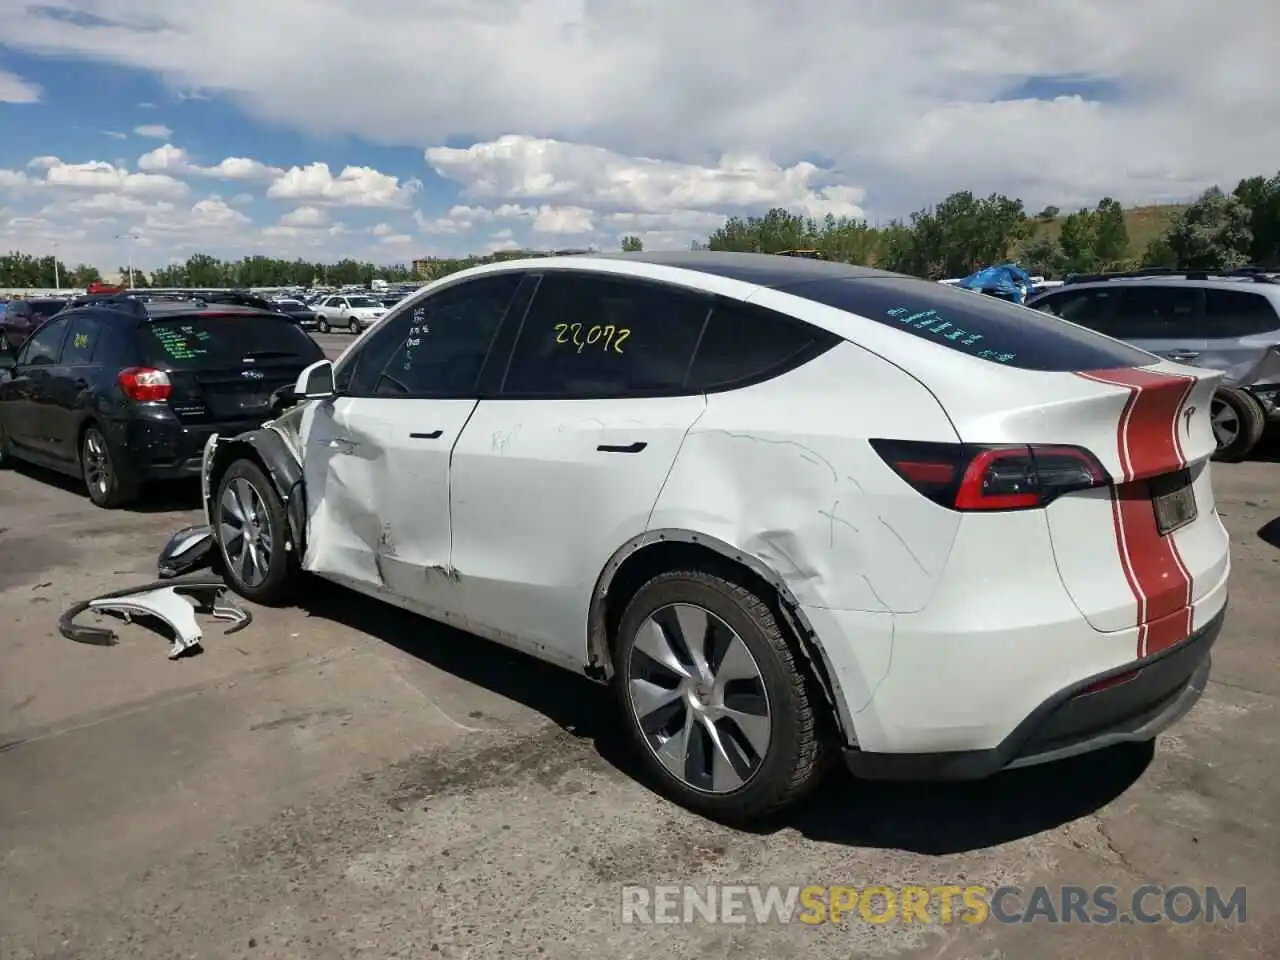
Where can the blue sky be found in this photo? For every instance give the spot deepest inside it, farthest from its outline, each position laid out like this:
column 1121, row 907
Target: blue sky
column 451, row 127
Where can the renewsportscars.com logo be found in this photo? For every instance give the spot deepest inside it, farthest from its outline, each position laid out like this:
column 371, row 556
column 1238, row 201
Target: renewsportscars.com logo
column 943, row 904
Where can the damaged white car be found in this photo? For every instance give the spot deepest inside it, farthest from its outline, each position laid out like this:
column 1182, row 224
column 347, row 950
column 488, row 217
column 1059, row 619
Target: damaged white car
column 790, row 509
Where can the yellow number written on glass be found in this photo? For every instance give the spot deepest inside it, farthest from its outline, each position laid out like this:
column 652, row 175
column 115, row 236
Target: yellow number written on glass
column 80, row 340
column 606, row 337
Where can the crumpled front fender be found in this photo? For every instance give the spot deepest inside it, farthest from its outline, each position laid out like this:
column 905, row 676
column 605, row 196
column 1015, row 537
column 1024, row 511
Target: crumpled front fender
column 269, row 448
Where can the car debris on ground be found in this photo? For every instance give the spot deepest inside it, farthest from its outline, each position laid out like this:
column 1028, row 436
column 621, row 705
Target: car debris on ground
column 171, row 602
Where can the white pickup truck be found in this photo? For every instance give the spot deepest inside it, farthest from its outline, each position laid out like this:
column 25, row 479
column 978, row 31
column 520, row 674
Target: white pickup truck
column 343, row 312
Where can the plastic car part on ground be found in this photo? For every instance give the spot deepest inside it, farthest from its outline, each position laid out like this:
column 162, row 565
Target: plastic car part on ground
column 173, row 602
column 188, row 549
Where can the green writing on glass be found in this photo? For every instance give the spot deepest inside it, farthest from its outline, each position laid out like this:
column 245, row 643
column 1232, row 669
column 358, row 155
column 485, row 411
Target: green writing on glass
column 182, row 343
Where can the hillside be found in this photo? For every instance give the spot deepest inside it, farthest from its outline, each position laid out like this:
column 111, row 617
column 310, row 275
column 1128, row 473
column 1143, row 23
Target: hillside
column 1143, row 223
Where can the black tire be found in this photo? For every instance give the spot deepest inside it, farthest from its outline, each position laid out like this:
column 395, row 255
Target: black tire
column 5, row 458
column 101, row 470
column 799, row 744
column 353, row 325
column 281, row 569
column 1251, row 420
column 322, row 325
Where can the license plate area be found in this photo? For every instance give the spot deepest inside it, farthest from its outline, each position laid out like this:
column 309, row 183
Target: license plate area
column 1174, row 501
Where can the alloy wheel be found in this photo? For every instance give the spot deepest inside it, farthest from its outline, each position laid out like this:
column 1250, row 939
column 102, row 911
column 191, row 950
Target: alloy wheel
column 1225, row 421
column 97, row 463
column 698, row 696
column 244, row 531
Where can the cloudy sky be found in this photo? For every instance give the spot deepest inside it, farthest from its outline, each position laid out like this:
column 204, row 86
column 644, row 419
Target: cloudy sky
column 393, row 129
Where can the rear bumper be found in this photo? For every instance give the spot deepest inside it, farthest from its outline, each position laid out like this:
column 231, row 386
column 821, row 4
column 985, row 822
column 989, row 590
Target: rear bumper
column 1142, row 699
column 168, row 449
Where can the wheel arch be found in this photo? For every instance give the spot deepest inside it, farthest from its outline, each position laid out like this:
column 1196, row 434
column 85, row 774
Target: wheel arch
column 268, row 450
column 650, row 553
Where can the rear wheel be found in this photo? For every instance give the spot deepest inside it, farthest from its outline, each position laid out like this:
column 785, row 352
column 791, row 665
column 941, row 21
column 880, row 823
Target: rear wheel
column 251, row 527
column 1238, row 423
column 107, row 487
column 714, row 698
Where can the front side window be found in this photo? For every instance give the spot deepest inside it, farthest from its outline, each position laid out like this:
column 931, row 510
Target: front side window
column 437, row 346
column 44, row 346
column 589, row 336
column 1157, row 312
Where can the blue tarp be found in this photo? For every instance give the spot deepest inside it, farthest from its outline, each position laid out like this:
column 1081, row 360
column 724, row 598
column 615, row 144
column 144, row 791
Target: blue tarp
column 1008, row 280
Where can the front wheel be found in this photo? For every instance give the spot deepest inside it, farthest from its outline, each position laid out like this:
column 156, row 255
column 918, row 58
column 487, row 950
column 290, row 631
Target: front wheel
column 715, row 699
column 102, row 478
column 252, row 531
column 353, row 325
column 1238, row 423
column 322, row 325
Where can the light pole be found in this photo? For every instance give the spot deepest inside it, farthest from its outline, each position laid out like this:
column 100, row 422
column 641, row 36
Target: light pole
column 57, row 281
column 130, row 237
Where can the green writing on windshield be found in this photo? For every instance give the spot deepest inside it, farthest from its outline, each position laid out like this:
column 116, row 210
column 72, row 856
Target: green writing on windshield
column 182, row 343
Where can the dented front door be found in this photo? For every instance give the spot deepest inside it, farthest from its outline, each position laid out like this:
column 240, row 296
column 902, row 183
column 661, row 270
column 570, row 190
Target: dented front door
column 382, row 519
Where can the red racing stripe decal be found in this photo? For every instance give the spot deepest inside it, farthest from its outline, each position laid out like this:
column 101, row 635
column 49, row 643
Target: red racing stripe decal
column 1148, row 445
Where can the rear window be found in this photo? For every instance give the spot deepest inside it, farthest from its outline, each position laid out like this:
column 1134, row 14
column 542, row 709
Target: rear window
column 973, row 323
column 210, row 340
column 44, row 309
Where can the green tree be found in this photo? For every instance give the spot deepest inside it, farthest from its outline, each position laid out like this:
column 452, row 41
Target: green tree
column 1261, row 195
column 1110, row 235
column 1212, row 234
column 959, row 234
column 632, row 244
column 82, row 275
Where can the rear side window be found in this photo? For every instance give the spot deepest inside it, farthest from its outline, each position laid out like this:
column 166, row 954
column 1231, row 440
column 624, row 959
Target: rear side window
column 747, row 344
column 81, row 341
column 225, row 340
column 973, row 323
column 586, row 336
column 1237, row 313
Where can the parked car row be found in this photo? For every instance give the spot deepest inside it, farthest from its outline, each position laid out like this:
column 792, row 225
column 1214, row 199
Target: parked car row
column 120, row 390
column 1228, row 321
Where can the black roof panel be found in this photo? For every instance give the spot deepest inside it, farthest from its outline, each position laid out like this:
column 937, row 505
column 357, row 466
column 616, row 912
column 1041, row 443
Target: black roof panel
column 763, row 269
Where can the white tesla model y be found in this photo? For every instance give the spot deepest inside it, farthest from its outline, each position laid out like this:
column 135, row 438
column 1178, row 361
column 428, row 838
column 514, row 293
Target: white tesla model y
column 790, row 509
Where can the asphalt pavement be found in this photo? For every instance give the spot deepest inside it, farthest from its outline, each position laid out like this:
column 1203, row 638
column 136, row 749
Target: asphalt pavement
column 343, row 780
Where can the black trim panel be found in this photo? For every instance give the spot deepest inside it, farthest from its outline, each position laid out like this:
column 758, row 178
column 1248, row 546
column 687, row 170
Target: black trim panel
column 1165, row 687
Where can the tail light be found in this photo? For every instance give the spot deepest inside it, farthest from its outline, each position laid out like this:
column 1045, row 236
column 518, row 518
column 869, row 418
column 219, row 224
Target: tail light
column 992, row 477
column 144, row 384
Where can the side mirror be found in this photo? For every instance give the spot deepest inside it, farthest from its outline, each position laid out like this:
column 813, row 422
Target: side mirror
column 315, row 381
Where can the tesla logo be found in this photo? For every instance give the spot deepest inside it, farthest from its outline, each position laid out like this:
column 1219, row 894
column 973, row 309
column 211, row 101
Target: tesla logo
column 1187, row 414
column 251, row 374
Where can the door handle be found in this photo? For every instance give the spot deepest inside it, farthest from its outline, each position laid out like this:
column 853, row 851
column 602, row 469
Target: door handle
column 433, row 435
column 1183, row 355
column 343, row 444
column 622, row 448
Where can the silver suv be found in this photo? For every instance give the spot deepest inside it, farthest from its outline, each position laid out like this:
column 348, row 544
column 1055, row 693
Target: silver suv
column 1224, row 321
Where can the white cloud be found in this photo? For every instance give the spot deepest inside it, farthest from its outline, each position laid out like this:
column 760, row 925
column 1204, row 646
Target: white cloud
column 115, row 134
column 101, row 176
column 576, row 221
column 353, row 187
column 13, row 89
column 176, row 161
column 907, row 100
column 527, row 168
column 210, row 215
column 305, row 217
column 153, row 131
